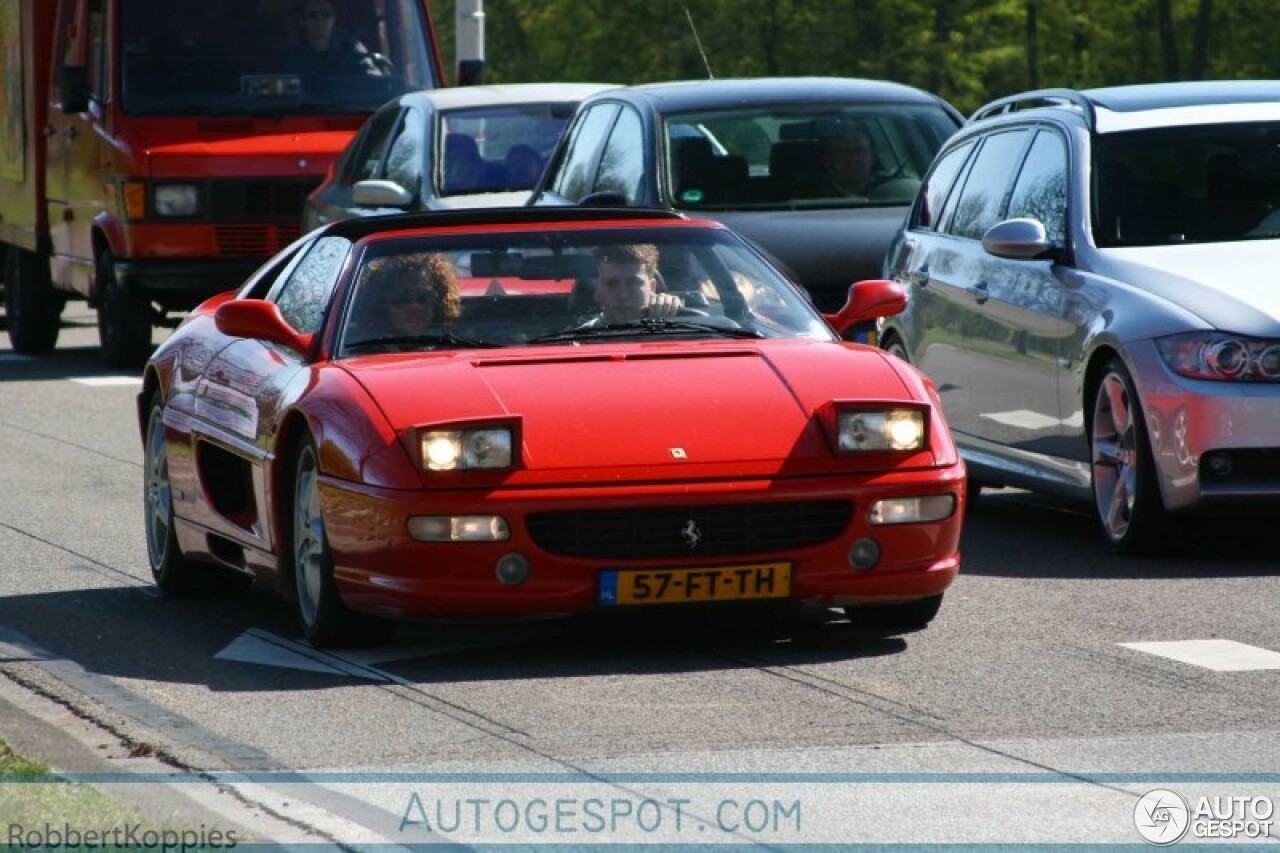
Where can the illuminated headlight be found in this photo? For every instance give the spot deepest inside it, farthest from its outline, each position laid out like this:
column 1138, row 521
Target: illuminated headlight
column 880, row 430
column 459, row 528
column 912, row 510
column 459, row 450
column 1221, row 356
column 177, row 200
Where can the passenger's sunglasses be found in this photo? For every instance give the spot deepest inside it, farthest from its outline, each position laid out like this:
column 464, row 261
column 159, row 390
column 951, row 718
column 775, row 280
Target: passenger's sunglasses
column 414, row 297
column 319, row 14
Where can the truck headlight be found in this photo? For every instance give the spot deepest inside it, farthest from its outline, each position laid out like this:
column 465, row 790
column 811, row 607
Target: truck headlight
column 880, row 430
column 463, row 449
column 177, row 200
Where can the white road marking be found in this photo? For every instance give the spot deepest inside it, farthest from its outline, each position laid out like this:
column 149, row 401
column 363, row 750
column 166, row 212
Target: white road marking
column 267, row 649
column 106, row 381
column 1023, row 418
column 1218, row 655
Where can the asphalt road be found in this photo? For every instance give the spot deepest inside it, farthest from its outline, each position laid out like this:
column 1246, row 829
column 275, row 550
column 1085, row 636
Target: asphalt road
column 1021, row 715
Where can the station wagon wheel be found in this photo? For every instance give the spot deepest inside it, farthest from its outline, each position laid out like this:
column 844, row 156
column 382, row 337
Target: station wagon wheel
column 894, row 346
column 1126, row 494
column 901, row 618
column 324, row 619
column 172, row 573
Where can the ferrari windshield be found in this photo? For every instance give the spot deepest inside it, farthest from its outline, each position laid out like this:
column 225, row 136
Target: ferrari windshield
column 567, row 287
column 263, row 57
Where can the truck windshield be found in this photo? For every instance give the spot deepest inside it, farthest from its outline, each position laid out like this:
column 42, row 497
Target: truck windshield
column 245, row 57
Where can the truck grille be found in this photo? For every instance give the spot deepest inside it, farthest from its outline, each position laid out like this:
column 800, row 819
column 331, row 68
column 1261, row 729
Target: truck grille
column 657, row 534
column 257, row 218
column 260, row 240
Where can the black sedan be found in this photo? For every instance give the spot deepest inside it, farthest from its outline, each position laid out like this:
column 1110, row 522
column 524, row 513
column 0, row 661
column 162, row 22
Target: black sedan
column 818, row 172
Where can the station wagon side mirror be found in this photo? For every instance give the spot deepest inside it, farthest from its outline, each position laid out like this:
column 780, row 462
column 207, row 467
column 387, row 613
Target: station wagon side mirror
column 260, row 320
column 73, row 88
column 876, row 297
column 1018, row 239
column 380, row 193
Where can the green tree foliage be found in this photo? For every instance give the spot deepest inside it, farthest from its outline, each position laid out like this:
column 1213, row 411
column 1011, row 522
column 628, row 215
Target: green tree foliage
column 967, row 51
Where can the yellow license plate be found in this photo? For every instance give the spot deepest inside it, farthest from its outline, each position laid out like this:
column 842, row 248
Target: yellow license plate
column 681, row 586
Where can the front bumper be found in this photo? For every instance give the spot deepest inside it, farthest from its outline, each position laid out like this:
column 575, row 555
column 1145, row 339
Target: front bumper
column 379, row 569
column 1191, row 422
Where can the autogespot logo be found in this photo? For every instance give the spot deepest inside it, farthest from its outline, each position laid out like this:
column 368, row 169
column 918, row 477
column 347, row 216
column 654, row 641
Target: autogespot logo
column 1162, row 817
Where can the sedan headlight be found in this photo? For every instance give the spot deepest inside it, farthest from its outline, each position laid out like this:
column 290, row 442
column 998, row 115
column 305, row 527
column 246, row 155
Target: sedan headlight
column 177, row 200
column 465, row 449
column 880, row 430
column 1221, row 356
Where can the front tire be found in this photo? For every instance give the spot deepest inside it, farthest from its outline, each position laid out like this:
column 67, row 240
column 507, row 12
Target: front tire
column 1125, row 490
column 124, row 320
column 172, row 573
column 890, row 619
column 32, row 306
column 324, row 620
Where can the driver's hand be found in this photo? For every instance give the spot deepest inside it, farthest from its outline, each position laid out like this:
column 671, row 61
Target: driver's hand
column 663, row 305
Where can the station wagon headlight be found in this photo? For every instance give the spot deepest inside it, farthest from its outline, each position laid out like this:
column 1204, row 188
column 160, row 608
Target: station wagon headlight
column 177, row 199
column 880, row 430
column 466, row 449
column 1221, row 356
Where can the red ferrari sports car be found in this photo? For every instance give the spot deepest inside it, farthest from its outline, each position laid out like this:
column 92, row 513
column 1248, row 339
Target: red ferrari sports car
column 544, row 411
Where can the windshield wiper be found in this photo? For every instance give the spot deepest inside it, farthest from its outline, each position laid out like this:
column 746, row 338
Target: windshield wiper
column 439, row 339
column 644, row 327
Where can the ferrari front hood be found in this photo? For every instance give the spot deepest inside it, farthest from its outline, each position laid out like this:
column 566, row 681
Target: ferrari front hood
column 640, row 407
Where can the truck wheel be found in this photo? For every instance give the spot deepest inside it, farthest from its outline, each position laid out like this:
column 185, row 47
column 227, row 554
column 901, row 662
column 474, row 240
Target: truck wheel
column 32, row 306
column 124, row 320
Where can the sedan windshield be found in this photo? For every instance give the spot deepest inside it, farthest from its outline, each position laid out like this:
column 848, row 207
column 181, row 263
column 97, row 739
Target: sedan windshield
column 847, row 156
column 247, row 57
column 574, row 287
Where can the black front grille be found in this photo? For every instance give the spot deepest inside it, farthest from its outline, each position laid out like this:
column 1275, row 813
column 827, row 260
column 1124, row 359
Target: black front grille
column 266, row 200
column 660, row 533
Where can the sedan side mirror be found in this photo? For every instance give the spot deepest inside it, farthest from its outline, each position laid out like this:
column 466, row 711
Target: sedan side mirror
column 380, row 194
column 1018, row 240
column 868, row 300
column 260, row 320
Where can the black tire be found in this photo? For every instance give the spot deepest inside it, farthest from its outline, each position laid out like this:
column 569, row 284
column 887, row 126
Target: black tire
column 894, row 346
column 124, row 320
column 1126, row 494
column 323, row 618
column 889, row 619
column 32, row 306
column 172, row 572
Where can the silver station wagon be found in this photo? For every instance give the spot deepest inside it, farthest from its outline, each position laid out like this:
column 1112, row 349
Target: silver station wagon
column 1095, row 288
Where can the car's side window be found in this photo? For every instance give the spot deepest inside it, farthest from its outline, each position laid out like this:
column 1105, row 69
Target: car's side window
column 304, row 296
column 578, row 168
column 937, row 186
column 405, row 155
column 366, row 156
column 1041, row 188
column 984, row 191
column 622, row 164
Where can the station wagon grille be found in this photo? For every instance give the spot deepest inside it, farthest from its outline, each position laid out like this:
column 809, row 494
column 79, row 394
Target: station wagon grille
column 658, row 534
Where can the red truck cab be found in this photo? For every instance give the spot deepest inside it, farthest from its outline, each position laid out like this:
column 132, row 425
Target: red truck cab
column 155, row 152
